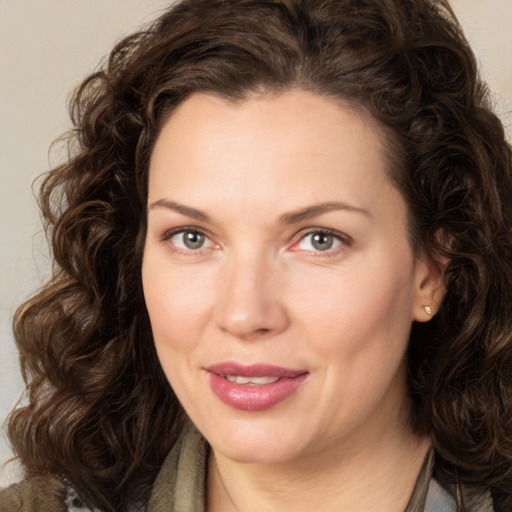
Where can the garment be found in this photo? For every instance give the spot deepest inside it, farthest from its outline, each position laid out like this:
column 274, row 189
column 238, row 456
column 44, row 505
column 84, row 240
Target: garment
column 180, row 487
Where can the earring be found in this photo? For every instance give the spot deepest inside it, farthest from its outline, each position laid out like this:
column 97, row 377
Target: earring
column 428, row 310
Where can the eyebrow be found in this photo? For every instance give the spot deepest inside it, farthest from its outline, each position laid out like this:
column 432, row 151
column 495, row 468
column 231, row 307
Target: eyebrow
column 294, row 217
column 316, row 210
column 188, row 211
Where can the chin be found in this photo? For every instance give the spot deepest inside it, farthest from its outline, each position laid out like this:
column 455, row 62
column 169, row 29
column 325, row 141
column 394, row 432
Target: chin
column 255, row 442
column 255, row 453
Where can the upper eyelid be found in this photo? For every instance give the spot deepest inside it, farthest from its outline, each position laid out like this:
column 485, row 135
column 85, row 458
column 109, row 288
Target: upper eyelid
column 168, row 233
column 334, row 232
column 345, row 240
column 343, row 237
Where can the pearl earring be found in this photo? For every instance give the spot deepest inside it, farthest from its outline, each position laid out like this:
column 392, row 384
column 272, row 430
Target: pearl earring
column 428, row 310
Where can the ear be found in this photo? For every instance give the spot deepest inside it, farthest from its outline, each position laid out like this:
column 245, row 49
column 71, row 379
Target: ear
column 429, row 288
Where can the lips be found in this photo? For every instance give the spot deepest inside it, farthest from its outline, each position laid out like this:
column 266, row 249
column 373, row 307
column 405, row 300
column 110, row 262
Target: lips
column 254, row 387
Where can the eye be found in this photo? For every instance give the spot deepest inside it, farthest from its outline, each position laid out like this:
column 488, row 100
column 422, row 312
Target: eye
column 189, row 239
column 320, row 241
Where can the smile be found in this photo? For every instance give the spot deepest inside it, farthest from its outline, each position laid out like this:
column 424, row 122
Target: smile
column 253, row 388
column 251, row 381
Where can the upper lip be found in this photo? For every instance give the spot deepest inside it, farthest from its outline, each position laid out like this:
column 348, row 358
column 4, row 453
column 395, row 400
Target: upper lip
column 253, row 370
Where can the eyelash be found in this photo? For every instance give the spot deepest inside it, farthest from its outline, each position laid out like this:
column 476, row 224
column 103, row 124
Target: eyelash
column 182, row 230
column 344, row 240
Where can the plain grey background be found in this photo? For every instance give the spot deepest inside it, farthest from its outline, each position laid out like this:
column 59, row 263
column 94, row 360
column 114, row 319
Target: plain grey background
column 46, row 48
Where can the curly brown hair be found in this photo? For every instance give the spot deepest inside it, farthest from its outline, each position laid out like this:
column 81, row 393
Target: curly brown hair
column 100, row 412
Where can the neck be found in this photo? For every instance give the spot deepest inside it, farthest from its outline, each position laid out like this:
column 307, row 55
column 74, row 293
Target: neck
column 374, row 478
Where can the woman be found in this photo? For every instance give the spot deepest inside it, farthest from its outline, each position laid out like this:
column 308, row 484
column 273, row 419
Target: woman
column 297, row 214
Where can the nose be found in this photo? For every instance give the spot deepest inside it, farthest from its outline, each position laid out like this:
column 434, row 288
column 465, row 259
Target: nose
column 250, row 305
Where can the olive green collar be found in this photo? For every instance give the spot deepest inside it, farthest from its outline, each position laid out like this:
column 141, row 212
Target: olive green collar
column 181, row 483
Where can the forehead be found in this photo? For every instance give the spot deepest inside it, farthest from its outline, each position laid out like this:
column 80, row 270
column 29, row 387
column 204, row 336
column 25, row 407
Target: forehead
column 284, row 149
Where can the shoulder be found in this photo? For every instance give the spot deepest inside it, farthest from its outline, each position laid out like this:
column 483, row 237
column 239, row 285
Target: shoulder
column 44, row 494
column 441, row 500
column 38, row 494
column 180, row 484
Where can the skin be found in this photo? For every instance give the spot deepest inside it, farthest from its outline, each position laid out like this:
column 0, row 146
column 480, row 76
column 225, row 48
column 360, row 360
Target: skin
column 259, row 291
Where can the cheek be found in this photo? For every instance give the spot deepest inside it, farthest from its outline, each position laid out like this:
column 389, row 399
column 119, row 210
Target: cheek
column 177, row 302
column 358, row 331
column 362, row 309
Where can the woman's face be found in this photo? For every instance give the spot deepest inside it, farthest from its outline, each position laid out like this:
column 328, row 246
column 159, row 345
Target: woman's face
column 278, row 276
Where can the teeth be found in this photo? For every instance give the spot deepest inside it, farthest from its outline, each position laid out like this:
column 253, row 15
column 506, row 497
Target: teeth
column 251, row 381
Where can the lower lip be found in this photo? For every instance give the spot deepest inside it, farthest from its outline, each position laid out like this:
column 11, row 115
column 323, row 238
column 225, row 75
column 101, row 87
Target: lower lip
column 254, row 398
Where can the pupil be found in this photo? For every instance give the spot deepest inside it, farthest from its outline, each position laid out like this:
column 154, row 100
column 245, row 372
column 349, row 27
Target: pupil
column 322, row 241
column 193, row 239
